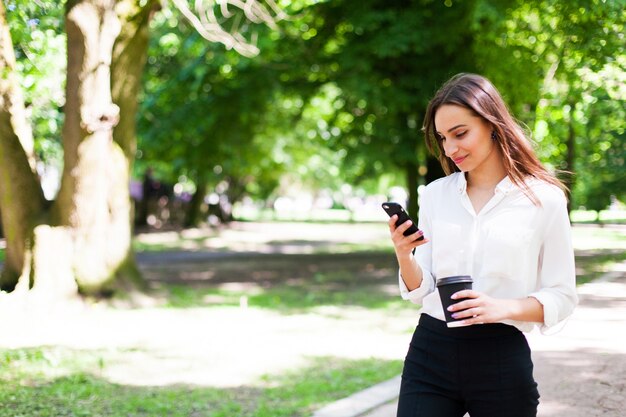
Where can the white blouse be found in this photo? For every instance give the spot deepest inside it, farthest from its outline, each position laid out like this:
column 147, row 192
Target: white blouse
column 512, row 248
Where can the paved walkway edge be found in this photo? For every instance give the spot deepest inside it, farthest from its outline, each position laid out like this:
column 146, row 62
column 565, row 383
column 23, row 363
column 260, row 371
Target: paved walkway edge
column 363, row 401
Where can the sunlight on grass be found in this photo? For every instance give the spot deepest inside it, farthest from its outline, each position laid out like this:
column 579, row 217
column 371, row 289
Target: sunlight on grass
column 586, row 238
column 287, row 299
column 590, row 267
column 51, row 382
column 604, row 216
column 295, row 289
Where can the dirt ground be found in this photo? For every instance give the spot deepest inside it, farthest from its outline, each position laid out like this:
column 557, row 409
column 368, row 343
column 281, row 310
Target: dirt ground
column 581, row 370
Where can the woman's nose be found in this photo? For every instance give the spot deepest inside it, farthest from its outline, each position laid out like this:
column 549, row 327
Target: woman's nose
column 449, row 149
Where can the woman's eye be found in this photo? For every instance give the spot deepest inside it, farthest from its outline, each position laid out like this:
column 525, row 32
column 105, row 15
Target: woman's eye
column 461, row 134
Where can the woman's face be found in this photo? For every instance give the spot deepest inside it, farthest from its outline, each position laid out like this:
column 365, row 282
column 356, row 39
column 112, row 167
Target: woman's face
column 466, row 138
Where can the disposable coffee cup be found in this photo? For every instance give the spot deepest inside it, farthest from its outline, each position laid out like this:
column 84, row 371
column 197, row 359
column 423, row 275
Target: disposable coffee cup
column 448, row 286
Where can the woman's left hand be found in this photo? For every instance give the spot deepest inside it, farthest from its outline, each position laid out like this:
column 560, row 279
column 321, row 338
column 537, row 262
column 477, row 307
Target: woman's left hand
column 479, row 308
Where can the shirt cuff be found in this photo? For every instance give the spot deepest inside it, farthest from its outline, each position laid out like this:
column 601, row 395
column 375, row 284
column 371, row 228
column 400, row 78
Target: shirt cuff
column 550, row 314
column 417, row 295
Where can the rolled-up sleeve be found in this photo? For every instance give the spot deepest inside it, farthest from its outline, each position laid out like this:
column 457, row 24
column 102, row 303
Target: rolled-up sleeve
column 423, row 258
column 557, row 273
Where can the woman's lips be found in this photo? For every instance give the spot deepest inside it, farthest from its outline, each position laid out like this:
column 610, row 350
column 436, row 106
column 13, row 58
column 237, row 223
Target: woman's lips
column 458, row 160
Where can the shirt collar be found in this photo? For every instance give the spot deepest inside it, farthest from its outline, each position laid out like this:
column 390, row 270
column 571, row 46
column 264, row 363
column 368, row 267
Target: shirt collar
column 505, row 186
column 461, row 182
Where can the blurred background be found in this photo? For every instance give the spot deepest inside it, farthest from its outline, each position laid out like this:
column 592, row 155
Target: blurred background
column 177, row 170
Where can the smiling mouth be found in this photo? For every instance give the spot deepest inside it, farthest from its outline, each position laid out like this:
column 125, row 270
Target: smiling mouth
column 459, row 160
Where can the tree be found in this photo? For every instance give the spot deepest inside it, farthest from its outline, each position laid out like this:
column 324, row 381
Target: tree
column 577, row 46
column 17, row 164
column 387, row 59
column 202, row 113
column 83, row 240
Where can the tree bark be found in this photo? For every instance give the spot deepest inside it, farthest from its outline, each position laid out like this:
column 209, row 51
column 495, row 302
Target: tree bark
column 84, row 242
column 21, row 196
column 192, row 216
column 129, row 56
column 412, row 176
column 93, row 203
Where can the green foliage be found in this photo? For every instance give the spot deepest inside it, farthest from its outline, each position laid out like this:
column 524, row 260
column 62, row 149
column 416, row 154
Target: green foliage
column 337, row 94
column 386, row 67
column 37, row 31
column 579, row 119
column 207, row 112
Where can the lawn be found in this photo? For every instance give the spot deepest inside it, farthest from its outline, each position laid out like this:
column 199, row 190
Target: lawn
column 54, row 382
column 338, row 276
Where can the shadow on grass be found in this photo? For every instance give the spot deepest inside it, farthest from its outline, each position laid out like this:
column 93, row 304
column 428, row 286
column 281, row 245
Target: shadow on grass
column 285, row 283
column 80, row 392
column 299, row 283
column 592, row 264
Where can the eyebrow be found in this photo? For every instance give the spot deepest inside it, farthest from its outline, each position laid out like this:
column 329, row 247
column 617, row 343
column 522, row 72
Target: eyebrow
column 454, row 127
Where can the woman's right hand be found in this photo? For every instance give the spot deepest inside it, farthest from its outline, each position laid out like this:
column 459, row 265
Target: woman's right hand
column 404, row 245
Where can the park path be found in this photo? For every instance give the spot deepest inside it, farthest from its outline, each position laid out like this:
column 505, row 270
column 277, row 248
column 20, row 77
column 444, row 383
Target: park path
column 581, row 371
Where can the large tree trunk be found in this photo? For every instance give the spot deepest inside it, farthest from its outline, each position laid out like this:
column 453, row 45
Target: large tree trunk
column 21, row 196
column 85, row 241
column 130, row 53
column 91, row 213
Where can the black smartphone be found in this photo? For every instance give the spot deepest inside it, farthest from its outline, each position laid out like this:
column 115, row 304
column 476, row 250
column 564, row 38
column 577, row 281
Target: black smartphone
column 395, row 208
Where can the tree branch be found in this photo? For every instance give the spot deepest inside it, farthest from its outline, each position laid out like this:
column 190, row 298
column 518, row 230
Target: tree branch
column 204, row 20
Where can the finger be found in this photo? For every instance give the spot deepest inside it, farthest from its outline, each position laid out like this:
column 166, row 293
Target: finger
column 462, row 305
column 392, row 222
column 476, row 320
column 410, row 239
column 467, row 313
column 465, row 294
column 416, row 235
column 416, row 243
column 404, row 226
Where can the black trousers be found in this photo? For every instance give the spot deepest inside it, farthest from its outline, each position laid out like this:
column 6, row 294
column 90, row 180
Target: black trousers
column 485, row 370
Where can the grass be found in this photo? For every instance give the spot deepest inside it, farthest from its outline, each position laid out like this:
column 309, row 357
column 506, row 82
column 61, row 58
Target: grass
column 301, row 283
column 602, row 216
column 54, row 382
column 592, row 266
column 598, row 238
column 284, row 298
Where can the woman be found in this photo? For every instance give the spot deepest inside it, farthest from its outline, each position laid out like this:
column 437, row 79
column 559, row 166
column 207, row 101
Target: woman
column 500, row 217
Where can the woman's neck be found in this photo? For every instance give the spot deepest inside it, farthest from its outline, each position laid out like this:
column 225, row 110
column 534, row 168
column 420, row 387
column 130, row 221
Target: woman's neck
column 488, row 175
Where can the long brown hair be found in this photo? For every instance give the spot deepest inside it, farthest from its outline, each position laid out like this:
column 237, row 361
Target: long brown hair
column 479, row 95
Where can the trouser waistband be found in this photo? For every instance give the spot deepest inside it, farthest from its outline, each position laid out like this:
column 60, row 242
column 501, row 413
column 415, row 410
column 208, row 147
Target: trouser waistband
column 476, row 331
